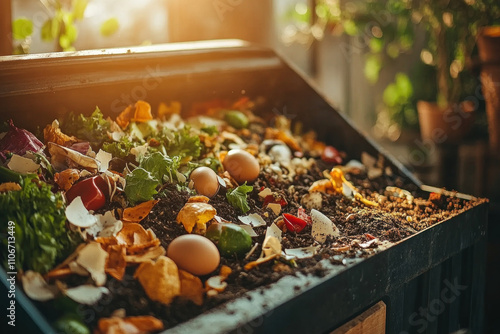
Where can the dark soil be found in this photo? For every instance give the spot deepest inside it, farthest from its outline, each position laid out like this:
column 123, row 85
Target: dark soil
column 394, row 220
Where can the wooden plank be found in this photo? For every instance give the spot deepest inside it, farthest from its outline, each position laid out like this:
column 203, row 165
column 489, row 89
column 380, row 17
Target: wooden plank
column 372, row 321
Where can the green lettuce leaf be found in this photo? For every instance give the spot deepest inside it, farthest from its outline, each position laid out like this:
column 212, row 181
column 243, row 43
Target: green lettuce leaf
column 38, row 227
column 181, row 143
column 93, row 128
column 238, row 197
column 161, row 166
column 119, row 149
column 140, row 186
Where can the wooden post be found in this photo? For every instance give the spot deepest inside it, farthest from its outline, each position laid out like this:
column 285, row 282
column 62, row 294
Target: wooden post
column 5, row 28
column 372, row 321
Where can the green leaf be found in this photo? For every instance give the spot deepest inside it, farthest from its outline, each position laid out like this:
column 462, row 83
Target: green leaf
column 376, row 44
column 350, row 28
column 120, row 149
column 93, row 128
column 160, row 166
column 390, row 95
column 140, row 186
column 110, row 26
column 50, row 30
column 210, row 130
column 22, row 28
column 404, row 86
column 181, row 143
column 39, row 221
column 79, row 7
column 373, row 66
column 64, row 42
column 238, row 197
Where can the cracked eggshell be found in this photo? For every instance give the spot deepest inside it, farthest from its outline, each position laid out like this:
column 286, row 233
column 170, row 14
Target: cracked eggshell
column 322, row 227
column 254, row 220
column 36, row 288
column 312, row 200
column 86, row 294
column 22, row 165
column 93, row 258
column 78, row 215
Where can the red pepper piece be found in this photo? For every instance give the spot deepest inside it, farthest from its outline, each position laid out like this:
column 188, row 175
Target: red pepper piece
column 271, row 199
column 369, row 236
column 301, row 213
column 91, row 191
column 331, row 155
column 294, row 224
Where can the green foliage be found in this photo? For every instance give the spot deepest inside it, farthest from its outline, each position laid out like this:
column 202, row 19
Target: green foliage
column 238, row 197
column 120, row 149
column 140, row 186
column 160, row 166
column 41, row 237
column 22, row 28
column 181, row 143
column 109, row 27
column 93, row 128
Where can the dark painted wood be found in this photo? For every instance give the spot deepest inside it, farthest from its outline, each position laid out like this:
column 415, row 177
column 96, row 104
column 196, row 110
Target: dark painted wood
column 35, row 89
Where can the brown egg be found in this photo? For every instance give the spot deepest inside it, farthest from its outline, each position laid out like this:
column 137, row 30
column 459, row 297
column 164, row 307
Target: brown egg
column 205, row 181
column 194, row 253
column 241, row 165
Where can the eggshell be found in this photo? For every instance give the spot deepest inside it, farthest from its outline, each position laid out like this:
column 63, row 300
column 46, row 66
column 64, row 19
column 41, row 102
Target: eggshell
column 241, row 165
column 194, row 253
column 322, row 226
column 205, row 181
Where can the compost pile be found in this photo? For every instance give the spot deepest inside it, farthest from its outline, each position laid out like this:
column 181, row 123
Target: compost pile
column 144, row 221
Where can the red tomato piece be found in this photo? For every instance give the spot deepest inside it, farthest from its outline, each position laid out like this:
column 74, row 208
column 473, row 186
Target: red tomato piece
column 294, row 224
column 91, row 191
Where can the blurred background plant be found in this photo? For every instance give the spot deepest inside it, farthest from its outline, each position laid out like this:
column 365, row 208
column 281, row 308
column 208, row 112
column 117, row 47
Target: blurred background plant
column 386, row 29
column 60, row 26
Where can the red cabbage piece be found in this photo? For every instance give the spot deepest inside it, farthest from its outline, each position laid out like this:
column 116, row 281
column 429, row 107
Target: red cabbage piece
column 18, row 141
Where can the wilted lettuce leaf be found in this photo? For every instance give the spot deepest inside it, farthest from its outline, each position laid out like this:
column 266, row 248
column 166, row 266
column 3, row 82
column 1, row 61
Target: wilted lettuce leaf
column 160, row 166
column 93, row 128
column 119, row 149
column 140, row 186
column 181, row 143
column 238, row 197
column 41, row 237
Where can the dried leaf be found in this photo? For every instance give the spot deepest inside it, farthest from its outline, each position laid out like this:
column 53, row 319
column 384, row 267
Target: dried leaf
column 129, row 325
column 191, row 287
column 116, row 263
column 52, row 133
column 151, row 253
column 139, row 212
column 195, row 214
column 9, row 186
column 66, row 178
column 159, row 279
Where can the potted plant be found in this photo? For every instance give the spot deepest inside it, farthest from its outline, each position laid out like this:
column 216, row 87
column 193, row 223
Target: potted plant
column 489, row 55
column 391, row 28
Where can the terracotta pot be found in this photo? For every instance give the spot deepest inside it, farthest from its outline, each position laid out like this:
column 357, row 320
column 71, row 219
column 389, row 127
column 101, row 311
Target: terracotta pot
column 489, row 54
column 445, row 125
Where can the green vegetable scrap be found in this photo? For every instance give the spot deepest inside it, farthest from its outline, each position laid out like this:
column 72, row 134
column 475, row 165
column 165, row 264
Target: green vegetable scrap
column 120, row 149
column 35, row 217
column 230, row 239
column 93, row 128
column 238, row 197
column 140, row 186
column 181, row 143
column 236, row 119
column 161, row 166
